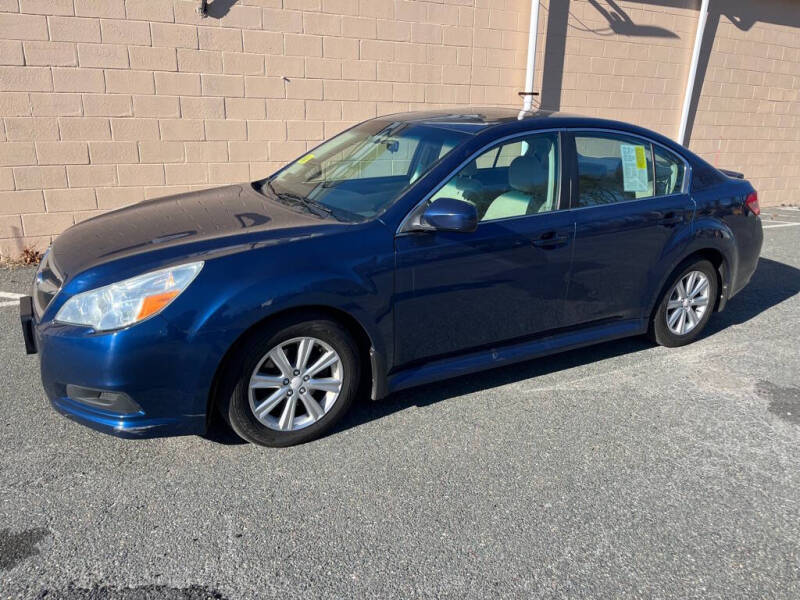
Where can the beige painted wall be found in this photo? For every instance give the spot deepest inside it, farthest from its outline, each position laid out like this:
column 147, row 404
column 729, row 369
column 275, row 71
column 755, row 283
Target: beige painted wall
column 748, row 118
column 630, row 60
column 626, row 60
column 107, row 102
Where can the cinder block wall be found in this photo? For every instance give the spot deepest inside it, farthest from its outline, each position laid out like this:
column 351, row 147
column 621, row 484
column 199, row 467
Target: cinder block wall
column 623, row 60
column 748, row 117
column 109, row 102
column 629, row 59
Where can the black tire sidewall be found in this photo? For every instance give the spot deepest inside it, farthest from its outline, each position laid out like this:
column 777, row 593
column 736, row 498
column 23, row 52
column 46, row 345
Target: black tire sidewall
column 234, row 399
column 659, row 331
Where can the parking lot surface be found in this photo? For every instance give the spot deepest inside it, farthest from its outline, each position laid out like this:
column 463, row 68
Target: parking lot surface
column 622, row 470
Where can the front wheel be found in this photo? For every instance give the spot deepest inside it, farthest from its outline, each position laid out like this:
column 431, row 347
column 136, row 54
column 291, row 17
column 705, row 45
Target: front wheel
column 686, row 305
column 290, row 384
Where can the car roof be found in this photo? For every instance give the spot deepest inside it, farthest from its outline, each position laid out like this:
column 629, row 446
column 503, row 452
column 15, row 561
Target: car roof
column 470, row 115
column 501, row 121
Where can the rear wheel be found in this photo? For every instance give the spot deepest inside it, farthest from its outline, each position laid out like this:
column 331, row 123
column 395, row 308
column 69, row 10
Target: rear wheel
column 686, row 304
column 290, row 384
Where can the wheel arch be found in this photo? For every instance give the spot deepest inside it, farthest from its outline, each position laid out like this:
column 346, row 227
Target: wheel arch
column 372, row 363
column 721, row 265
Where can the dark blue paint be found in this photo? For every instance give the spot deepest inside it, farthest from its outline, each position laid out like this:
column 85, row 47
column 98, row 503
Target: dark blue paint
column 449, row 214
column 482, row 288
column 432, row 304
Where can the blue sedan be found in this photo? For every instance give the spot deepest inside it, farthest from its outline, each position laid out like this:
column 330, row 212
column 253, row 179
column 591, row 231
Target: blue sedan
column 408, row 249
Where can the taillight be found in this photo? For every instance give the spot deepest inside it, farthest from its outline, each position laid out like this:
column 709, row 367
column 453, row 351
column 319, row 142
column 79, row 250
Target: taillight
column 752, row 203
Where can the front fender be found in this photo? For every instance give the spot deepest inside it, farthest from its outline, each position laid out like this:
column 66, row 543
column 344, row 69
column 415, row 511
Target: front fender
column 352, row 275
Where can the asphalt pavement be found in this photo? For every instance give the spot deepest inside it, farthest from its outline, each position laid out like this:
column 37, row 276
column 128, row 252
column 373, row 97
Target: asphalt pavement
column 619, row 471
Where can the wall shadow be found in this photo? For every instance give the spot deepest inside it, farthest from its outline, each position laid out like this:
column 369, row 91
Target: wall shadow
column 621, row 24
column 217, row 8
column 744, row 14
column 558, row 24
column 554, row 49
column 772, row 283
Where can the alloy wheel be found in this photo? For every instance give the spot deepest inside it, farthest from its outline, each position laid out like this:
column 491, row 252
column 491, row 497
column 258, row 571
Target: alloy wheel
column 688, row 302
column 295, row 384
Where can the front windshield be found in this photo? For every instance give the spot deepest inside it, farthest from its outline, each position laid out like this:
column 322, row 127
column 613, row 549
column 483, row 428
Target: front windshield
column 360, row 172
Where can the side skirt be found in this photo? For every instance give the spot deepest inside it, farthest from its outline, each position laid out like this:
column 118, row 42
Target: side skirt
column 507, row 355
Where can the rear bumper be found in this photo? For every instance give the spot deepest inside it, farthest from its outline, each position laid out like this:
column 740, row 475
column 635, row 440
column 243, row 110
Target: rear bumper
column 749, row 253
column 159, row 378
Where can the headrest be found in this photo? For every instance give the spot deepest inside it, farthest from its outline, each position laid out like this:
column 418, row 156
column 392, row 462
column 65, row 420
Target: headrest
column 539, row 146
column 527, row 174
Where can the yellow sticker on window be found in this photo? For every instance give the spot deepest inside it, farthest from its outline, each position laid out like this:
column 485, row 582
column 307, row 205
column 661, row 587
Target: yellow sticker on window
column 641, row 162
column 634, row 168
column 305, row 159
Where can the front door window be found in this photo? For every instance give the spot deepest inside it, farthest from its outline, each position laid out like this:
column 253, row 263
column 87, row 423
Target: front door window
column 515, row 178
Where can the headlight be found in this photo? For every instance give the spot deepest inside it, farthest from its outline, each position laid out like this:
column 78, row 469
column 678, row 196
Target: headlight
column 127, row 302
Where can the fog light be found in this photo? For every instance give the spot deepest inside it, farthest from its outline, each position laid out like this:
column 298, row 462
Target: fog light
column 117, row 402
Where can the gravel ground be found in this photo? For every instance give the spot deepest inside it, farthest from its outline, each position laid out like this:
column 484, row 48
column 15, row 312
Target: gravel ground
column 623, row 470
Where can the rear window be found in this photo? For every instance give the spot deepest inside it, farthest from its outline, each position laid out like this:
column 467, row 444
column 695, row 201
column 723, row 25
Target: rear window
column 669, row 172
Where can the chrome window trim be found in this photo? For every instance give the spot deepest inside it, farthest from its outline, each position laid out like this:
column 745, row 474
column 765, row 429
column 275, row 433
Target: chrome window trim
column 401, row 229
column 685, row 187
column 574, row 208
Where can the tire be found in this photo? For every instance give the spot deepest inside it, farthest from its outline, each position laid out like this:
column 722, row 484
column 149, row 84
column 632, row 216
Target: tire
column 660, row 330
column 252, row 362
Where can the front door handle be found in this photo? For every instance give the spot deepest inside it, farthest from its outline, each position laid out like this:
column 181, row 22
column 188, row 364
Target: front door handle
column 551, row 239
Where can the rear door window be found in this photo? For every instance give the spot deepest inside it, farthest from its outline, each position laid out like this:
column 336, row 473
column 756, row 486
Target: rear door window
column 613, row 168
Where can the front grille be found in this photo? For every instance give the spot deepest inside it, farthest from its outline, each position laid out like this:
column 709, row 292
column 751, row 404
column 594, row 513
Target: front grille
column 46, row 285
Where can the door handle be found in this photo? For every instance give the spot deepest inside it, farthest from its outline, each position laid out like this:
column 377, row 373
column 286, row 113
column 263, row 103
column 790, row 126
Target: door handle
column 551, row 239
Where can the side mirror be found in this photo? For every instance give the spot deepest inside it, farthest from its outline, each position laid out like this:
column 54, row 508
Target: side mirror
column 449, row 214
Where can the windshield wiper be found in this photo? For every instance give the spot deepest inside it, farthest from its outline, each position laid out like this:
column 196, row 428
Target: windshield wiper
column 309, row 205
column 317, row 208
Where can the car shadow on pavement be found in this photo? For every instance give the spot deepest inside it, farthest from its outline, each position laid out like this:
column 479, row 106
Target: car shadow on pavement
column 772, row 283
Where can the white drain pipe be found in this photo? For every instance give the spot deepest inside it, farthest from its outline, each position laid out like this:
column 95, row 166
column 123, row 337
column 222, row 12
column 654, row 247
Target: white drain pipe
column 687, row 99
column 530, row 69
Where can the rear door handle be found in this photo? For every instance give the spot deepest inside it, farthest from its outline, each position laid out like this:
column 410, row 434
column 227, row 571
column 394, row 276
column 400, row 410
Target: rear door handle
column 551, row 239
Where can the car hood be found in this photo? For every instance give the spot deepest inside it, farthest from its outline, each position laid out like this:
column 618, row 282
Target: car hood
column 227, row 214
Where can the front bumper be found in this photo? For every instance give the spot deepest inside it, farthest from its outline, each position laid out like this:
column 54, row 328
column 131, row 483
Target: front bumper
column 27, row 319
column 163, row 375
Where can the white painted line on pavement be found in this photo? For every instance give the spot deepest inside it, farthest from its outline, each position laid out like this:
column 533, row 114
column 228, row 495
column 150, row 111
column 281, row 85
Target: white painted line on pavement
column 781, row 225
column 11, row 296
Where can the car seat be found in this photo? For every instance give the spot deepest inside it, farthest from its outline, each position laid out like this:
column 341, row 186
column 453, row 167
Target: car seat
column 528, row 176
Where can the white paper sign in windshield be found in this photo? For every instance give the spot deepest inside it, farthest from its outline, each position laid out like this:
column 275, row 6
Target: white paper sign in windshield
column 634, row 168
